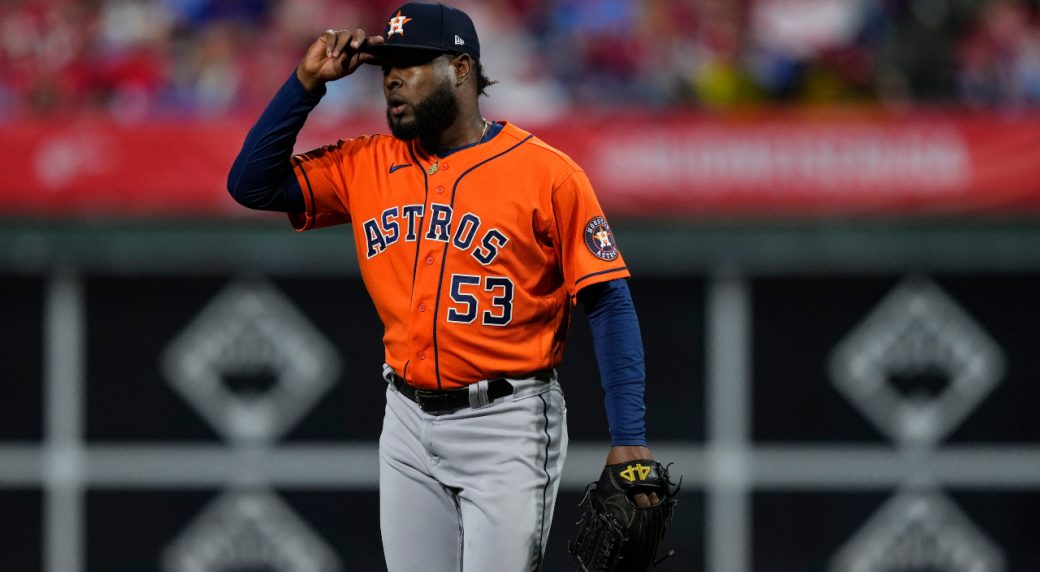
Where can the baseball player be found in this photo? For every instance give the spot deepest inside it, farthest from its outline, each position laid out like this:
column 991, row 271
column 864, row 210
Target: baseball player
column 474, row 239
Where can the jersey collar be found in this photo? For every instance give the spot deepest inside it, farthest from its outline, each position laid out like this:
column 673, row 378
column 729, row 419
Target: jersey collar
column 507, row 135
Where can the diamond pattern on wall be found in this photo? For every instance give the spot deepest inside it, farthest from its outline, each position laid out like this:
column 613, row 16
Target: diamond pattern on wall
column 917, row 333
column 250, row 363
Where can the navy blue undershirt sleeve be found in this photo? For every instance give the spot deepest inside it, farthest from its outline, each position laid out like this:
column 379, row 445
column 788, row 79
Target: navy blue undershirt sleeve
column 262, row 175
column 619, row 354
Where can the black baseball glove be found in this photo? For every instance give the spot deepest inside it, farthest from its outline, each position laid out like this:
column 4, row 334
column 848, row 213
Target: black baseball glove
column 615, row 535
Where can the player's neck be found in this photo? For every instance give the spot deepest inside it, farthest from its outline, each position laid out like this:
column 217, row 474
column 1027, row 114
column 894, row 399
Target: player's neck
column 467, row 131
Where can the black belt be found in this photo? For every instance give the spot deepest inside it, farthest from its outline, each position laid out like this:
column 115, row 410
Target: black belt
column 442, row 402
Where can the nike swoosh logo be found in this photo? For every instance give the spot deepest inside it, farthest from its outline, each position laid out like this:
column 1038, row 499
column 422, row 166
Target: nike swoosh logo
column 396, row 167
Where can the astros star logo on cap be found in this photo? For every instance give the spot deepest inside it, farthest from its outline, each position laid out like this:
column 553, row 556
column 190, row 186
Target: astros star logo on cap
column 397, row 24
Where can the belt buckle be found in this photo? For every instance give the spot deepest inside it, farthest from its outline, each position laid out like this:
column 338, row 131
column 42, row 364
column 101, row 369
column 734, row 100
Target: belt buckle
column 425, row 398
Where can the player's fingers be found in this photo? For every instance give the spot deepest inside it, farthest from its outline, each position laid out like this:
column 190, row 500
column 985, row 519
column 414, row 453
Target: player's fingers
column 641, row 500
column 329, row 38
column 646, row 499
column 357, row 39
column 361, row 57
column 338, row 42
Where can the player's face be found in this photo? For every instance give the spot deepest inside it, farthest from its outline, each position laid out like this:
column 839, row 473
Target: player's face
column 420, row 99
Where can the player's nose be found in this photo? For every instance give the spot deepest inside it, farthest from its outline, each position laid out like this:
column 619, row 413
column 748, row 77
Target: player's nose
column 391, row 80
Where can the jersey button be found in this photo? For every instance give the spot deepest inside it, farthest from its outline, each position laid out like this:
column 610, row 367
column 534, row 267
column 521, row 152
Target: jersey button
column 421, row 355
column 429, row 260
column 439, row 190
column 422, row 307
column 445, row 166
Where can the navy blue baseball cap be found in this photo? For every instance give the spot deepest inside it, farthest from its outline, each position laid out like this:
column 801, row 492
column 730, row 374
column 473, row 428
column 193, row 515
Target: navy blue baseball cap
column 434, row 28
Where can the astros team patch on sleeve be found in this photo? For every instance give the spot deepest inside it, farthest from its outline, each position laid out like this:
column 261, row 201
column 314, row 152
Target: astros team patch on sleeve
column 599, row 239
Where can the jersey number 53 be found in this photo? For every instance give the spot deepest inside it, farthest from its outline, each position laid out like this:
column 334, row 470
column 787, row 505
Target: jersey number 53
column 464, row 290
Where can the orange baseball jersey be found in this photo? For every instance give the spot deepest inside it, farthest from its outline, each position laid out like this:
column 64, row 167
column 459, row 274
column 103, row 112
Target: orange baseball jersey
column 472, row 260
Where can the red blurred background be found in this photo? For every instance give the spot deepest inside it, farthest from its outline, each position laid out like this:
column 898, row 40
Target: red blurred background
column 693, row 107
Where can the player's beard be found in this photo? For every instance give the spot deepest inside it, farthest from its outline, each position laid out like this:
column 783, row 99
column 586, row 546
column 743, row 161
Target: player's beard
column 433, row 116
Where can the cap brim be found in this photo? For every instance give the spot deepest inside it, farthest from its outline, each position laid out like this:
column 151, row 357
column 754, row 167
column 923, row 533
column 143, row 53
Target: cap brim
column 401, row 54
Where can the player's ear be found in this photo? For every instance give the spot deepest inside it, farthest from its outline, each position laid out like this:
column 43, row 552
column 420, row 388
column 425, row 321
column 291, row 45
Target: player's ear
column 463, row 67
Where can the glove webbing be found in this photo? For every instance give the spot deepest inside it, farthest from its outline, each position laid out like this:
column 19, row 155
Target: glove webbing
column 598, row 553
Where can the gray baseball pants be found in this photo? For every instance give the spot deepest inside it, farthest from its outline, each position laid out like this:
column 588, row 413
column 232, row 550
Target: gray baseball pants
column 473, row 490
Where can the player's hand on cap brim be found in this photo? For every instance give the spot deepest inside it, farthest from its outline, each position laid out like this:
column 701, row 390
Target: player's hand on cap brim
column 335, row 54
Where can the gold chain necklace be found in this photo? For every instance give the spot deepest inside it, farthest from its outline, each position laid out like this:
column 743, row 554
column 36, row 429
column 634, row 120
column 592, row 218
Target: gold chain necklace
column 437, row 160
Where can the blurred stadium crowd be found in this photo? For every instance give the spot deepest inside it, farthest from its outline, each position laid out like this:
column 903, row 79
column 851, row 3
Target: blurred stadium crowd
column 135, row 60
